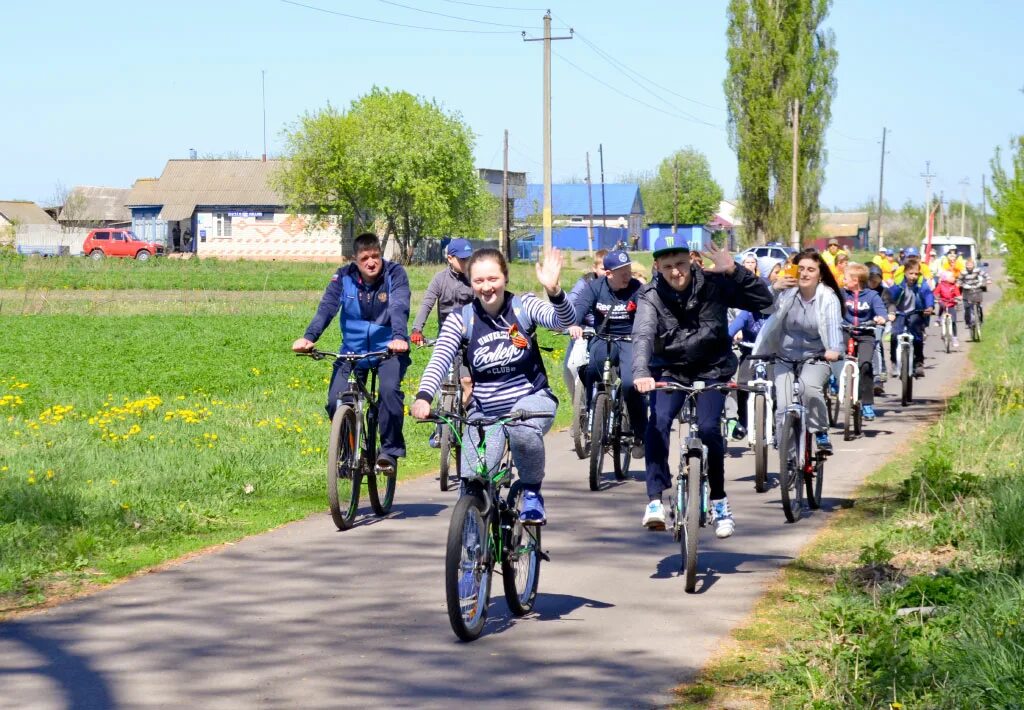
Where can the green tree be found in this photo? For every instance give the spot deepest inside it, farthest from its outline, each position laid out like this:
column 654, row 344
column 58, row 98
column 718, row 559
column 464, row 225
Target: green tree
column 393, row 161
column 779, row 52
column 699, row 194
column 1006, row 195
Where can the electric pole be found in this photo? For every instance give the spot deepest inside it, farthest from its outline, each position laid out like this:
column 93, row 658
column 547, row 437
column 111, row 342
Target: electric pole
column 942, row 212
column 795, row 235
column 963, row 204
column 927, row 175
column 881, row 177
column 604, row 212
column 263, row 81
column 675, row 193
column 590, row 206
column 506, row 238
column 547, row 122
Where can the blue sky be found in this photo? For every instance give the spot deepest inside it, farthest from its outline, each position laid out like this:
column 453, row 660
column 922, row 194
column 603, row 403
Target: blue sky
column 105, row 92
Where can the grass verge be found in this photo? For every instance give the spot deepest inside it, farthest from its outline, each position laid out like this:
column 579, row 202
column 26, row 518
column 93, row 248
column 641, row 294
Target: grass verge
column 913, row 597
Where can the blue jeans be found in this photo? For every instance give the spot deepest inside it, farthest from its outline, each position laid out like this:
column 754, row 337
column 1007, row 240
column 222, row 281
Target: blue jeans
column 525, row 438
column 390, row 400
column 622, row 357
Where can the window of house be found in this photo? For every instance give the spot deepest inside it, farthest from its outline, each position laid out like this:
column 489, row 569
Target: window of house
column 223, row 224
column 265, row 217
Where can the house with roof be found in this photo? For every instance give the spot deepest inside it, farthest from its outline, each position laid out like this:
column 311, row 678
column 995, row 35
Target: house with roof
column 850, row 229
column 90, row 206
column 621, row 211
column 31, row 229
column 23, row 212
column 228, row 209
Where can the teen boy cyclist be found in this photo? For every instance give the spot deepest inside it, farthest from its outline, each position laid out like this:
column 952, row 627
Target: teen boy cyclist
column 681, row 334
column 371, row 299
column 905, row 300
column 449, row 289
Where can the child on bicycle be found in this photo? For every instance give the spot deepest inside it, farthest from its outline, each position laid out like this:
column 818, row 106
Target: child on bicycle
column 973, row 282
column 505, row 366
column 371, row 298
column 863, row 306
column 948, row 295
column 610, row 302
column 912, row 302
column 681, row 334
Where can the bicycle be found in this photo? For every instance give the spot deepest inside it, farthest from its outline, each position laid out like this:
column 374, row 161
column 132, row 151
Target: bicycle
column 849, row 383
column 608, row 419
column 485, row 531
column 973, row 314
column 579, row 427
column 905, row 363
column 352, row 451
column 760, row 418
column 691, row 504
column 801, row 463
column 450, row 401
column 947, row 329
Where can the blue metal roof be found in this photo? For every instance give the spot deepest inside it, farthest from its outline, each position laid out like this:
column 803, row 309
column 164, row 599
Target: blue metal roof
column 567, row 200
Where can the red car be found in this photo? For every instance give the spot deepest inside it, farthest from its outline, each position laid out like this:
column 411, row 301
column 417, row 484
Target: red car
column 119, row 242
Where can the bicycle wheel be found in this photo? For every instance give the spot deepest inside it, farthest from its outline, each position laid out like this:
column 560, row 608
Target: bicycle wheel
column 832, row 404
column 976, row 327
column 907, row 384
column 760, row 445
column 599, row 421
column 691, row 519
column 789, row 467
column 344, row 473
column 381, row 486
column 467, row 568
column 947, row 337
column 620, row 445
column 848, row 405
column 579, row 429
column 450, row 451
column 815, row 479
column 520, row 566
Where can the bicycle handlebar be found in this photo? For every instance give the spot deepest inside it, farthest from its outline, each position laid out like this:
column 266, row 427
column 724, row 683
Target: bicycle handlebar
column 345, row 357
column 517, row 415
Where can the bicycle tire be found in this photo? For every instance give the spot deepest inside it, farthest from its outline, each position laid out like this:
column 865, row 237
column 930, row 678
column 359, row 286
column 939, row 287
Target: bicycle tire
column 848, row 405
column 579, row 429
column 375, row 481
column 467, row 568
column 858, row 419
column 620, row 447
column 947, row 339
column 520, row 565
column 814, row 482
column 906, row 383
column 691, row 520
column 832, row 404
column 789, row 468
column 599, row 420
column 449, row 449
column 760, row 445
column 976, row 329
column 344, row 470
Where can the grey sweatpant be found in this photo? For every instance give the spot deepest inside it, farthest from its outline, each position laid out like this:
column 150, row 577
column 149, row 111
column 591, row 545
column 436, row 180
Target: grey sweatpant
column 526, row 439
column 813, row 376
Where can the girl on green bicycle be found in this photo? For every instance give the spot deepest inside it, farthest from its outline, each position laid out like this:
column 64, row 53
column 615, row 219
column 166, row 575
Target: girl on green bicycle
column 505, row 365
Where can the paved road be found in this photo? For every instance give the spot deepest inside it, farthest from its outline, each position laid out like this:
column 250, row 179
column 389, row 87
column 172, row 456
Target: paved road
column 305, row 616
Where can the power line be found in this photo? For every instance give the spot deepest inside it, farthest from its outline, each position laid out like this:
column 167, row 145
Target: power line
column 452, row 17
column 496, row 7
column 633, row 98
column 398, row 24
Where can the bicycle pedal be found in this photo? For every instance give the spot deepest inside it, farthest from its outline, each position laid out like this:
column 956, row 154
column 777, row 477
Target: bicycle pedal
column 543, row 555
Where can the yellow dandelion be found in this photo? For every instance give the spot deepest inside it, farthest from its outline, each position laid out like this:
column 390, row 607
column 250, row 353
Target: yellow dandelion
column 113, row 481
column 31, row 480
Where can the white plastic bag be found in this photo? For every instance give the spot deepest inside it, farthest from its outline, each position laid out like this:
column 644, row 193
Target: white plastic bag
column 579, row 355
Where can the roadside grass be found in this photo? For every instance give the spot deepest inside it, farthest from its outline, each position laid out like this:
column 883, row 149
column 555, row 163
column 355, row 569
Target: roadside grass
column 126, row 441
column 914, row 597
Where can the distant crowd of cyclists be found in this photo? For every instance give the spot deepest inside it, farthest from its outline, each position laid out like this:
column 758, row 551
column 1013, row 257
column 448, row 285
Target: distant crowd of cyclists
column 701, row 317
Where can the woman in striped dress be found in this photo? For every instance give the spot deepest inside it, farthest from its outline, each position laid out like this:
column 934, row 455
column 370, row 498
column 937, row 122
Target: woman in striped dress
column 504, row 364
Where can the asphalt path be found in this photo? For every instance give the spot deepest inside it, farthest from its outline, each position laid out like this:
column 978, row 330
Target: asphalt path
column 306, row 616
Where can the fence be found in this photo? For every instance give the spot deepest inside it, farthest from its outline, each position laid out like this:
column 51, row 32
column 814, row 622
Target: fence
column 35, row 238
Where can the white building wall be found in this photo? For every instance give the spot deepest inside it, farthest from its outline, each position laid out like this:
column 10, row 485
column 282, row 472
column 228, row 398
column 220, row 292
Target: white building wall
column 49, row 235
column 284, row 236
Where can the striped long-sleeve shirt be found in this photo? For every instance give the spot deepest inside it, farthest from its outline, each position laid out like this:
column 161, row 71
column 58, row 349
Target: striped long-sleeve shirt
column 503, row 371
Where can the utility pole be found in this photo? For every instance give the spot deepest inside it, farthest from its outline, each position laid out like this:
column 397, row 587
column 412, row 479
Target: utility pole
column 604, row 212
column 547, row 122
column 795, row 235
column 506, row 238
column 942, row 212
column 927, row 175
column 263, row 80
column 675, row 193
column 590, row 206
column 963, row 204
column 881, row 177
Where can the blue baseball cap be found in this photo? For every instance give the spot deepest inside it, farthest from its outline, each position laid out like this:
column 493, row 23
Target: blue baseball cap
column 889, row 252
column 460, row 248
column 616, row 260
column 911, row 251
column 668, row 245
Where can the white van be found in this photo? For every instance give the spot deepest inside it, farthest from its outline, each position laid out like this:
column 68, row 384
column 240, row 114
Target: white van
column 965, row 246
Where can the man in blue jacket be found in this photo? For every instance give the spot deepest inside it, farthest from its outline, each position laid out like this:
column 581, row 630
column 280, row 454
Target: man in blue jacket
column 912, row 302
column 371, row 298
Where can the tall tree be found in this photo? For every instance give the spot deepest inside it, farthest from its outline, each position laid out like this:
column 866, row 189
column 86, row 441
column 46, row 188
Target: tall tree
column 779, row 52
column 698, row 194
column 1006, row 195
column 394, row 160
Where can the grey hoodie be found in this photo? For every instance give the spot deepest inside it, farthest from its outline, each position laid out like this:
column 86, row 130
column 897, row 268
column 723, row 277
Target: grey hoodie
column 450, row 290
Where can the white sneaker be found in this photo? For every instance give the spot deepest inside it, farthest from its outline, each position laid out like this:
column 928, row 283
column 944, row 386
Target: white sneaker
column 654, row 516
column 724, row 524
column 956, row 343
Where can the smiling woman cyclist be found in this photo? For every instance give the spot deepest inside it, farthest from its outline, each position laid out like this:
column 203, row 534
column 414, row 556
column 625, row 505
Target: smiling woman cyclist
column 504, row 364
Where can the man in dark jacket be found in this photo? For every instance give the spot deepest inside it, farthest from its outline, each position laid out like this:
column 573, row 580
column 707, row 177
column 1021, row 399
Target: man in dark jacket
column 372, row 296
column 681, row 334
column 449, row 289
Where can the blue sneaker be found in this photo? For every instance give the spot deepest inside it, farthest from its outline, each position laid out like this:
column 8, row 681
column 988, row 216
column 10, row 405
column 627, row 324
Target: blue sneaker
column 532, row 509
column 833, row 384
column 435, row 439
column 824, row 445
column 868, row 412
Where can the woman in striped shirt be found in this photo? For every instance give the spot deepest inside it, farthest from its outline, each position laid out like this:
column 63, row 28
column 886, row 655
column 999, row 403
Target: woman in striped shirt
column 504, row 364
